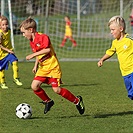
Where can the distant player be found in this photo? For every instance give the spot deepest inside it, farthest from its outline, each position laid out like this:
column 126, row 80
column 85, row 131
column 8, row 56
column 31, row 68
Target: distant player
column 122, row 45
column 47, row 69
column 7, row 54
column 131, row 20
column 68, row 33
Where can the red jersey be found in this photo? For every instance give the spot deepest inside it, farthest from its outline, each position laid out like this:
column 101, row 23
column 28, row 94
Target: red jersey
column 48, row 63
column 131, row 20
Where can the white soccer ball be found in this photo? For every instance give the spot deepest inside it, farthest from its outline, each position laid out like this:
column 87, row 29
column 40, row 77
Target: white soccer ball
column 24, row 111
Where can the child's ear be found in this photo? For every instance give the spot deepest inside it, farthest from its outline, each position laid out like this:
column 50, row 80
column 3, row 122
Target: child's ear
column 31, row 29
column 121, row 29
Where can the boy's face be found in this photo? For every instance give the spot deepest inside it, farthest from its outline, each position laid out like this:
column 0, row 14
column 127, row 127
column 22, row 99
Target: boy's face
column 4, row 25
column 116, row 30
column 26, row 33
column 66, row 19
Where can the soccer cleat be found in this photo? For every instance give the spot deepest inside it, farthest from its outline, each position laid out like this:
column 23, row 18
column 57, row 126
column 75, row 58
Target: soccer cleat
column 17, row 81
column 48, row 105
column 4, row 86
column 80, row 106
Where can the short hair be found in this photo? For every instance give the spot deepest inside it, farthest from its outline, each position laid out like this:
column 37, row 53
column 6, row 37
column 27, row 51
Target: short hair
column 3, row 18
column 67, row 17
column 28, row 23
column 119, row 21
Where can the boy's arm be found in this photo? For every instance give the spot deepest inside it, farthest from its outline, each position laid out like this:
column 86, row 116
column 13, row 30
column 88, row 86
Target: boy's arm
column 6, row 49
column 43, row 51
column 36, row 65
column 105, row 57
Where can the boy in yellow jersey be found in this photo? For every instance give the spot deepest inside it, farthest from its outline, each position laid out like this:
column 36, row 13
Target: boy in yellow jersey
column 68, row 33
column 7, row 54
column 122, row 45
column 47, row 69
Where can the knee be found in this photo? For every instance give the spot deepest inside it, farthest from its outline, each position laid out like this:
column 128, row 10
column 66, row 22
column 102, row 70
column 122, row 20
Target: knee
column 56, row 89
column 34, row 87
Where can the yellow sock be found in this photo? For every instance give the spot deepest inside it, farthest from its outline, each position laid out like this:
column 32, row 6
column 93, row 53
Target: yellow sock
column 15, row 69
column 2, row 76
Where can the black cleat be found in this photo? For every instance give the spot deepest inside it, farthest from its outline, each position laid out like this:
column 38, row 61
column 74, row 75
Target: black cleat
column 80, row 107
column 48, row 105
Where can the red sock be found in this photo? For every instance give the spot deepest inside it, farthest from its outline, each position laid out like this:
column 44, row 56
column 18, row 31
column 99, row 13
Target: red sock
column 74, row 42
column 63, row 42
column 41, row 93
column 68, row 95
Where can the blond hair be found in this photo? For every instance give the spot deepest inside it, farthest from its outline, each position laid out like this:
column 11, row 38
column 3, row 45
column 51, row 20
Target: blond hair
column 28, row 23
column 119, row 21
column 3, row 18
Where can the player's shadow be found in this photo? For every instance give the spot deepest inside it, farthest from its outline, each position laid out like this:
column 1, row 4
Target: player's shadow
column 84, row 84
column 36, row 118
column 72, row 116
column 69, row 85
column 113, row 114
column 59, row 117
column 66, row 85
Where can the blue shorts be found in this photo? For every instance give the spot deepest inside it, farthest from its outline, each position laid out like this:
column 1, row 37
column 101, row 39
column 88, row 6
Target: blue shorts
column 128, row 80
column 4, row 63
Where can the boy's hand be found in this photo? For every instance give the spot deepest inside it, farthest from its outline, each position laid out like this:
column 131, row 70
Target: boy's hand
column 28, row 57
column 100, row 63
column 10, row 51
column 34, row 70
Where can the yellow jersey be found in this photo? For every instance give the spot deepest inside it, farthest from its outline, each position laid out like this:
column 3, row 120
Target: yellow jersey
column 5, row 41
column 68, row 30
column 124, row 50
column 48, row 63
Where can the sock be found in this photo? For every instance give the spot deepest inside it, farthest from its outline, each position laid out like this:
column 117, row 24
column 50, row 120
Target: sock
column 15, row 69
column 63, row 42
column 2, row 76
column 68, row 95
column 74, row 42
column 41, row 93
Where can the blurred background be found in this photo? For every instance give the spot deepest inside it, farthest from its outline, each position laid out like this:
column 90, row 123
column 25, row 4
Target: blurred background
column 89, row 24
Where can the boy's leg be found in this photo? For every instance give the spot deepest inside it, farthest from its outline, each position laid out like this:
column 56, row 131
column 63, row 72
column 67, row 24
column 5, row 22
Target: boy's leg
column 68, row 95
column 78, row 101
column 63, row 42
column 46, row 100
column 15, row 73
column 73, row 42
column 41, row 93
column 2, row 80
column 2, row 76
column 128, row 80
column 15, row 69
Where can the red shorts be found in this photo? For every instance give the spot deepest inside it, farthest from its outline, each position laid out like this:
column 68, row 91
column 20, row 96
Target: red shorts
column 53, row 81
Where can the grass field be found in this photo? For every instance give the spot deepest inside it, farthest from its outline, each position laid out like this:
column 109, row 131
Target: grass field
column 108, row 109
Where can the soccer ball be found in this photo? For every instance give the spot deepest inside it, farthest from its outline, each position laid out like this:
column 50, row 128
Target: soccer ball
column 24, row 111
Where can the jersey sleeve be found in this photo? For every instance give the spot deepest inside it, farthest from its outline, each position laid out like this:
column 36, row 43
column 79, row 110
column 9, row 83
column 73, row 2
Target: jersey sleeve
column 111, row 50
column 45, row 42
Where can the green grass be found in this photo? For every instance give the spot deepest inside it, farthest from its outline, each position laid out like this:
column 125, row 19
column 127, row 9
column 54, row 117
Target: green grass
column 108, row 109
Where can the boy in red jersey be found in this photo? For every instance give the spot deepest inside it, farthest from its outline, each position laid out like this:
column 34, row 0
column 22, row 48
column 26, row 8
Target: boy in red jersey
column 122, row 45
column 47, row 69
column 68, row 33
